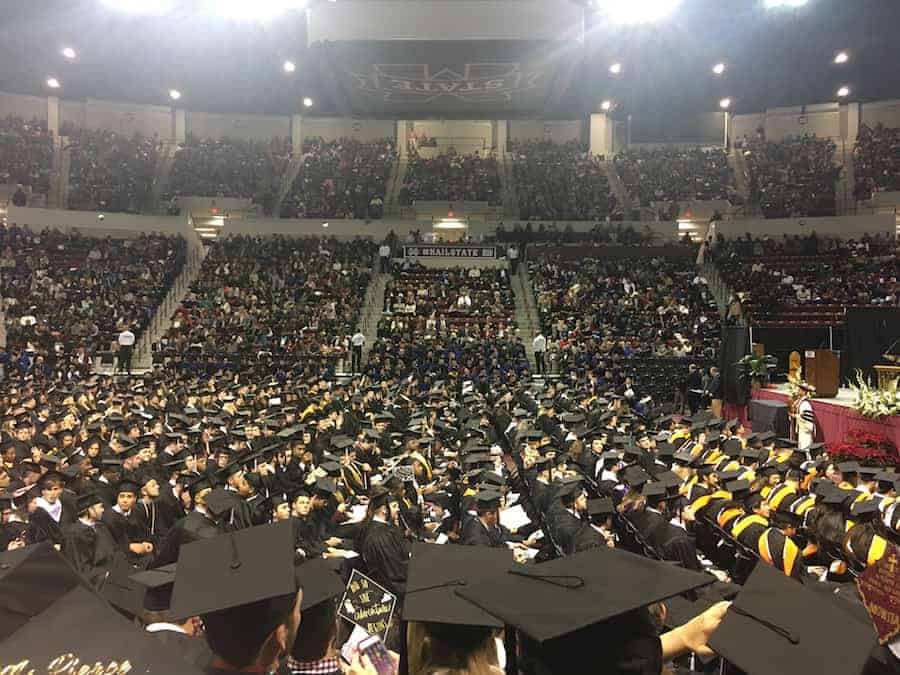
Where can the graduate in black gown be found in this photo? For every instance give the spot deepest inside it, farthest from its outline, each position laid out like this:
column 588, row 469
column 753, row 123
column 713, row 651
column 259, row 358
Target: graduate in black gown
column 384, row 550
column 309, row 533
column 200, row 523
column 127, row 531
column 88, row 543
column 52, row 514
column 484, row 529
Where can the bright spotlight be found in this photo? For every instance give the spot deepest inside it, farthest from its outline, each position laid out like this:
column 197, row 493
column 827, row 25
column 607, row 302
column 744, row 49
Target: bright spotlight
column 843, row 92
column 725, row 103
column 606, row 105
column 260, row 10
column 174, row 94
column 141, row 6
column 289, row 67
column 307, row 102
column 53, row 83
column 719, row 68
column 615, row 68
column 779, row 4
column 841, row 57
column 68, row 52
column 643, row 11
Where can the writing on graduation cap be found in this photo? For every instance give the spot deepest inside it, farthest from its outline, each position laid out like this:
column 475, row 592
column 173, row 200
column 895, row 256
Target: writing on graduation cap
column 879, row 587
column 368, row 605
column 68, row 663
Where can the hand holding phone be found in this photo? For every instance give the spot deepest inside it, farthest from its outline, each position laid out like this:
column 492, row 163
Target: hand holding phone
column 373, row 651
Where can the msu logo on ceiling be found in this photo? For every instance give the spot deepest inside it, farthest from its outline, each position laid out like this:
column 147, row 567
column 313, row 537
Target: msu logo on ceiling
column 477, row 83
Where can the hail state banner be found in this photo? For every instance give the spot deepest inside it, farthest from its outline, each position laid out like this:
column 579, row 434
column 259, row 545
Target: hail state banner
column 449, row 79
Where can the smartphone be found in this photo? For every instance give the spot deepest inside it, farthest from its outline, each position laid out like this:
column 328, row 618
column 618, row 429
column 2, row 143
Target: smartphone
column 374, row 648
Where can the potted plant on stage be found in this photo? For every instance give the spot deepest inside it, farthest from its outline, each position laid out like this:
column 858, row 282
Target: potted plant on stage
column 756, row 370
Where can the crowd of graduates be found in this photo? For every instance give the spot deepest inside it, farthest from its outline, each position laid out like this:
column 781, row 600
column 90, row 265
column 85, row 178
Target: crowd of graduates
column 676, row 174
column 876, row 160
column 227, row 167
column 451, row 177
column 108, row 170
column 26, row 153
column 561, row 181
column 66, row 296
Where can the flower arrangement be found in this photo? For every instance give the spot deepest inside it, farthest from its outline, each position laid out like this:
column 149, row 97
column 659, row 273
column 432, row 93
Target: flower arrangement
column 874, row 402
column 863, row 446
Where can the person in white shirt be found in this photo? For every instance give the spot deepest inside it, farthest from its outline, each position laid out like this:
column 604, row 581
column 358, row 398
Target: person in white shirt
column 357, row 342
column 539, row 345
column 512, row 254
column 126, row 350
column 384, row 257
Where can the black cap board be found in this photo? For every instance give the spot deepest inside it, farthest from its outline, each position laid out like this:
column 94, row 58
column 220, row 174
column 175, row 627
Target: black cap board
column 234, row 569
column 561, row 596
column 435, row 572
column 319, row 580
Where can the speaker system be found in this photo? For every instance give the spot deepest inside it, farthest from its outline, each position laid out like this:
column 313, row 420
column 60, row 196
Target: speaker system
column 735, row 346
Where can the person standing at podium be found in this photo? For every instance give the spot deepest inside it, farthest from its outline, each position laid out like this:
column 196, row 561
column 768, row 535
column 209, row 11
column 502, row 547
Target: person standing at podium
column 805, row 419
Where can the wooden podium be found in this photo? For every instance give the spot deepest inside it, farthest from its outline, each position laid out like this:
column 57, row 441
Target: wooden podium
column 886, row 375
column 823, row 371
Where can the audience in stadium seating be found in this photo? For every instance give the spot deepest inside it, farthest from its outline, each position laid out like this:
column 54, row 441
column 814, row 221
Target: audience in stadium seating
column 876, row 160
column 792, row 177
column 600, row 233
column 809, row 279
column 67, row 296
column 344, row 178
column 109, row 171
column 271, row 302
column 630, row 312
column 676, row 174
column 228, row 167
column 443, row 321
column 561, row 182
column 451, row 177
column 26, row 153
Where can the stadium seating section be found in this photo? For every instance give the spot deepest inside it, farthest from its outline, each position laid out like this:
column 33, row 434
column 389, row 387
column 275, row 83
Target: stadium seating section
column 876, row 160
column 451, row 177
column 26, row 153
column 675, row 174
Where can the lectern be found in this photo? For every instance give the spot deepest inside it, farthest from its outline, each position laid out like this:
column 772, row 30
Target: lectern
column 823, row 371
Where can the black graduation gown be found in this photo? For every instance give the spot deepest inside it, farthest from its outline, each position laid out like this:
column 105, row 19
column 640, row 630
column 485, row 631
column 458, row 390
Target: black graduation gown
column 125, row 530
column 565, row 528
column 192, row 527
column 91, row 550
column 194, row 650
column 147, row 522
column 385, row 554
column 309, row 536
column 474, row 533
column 587, row 538
column 44, row 528
column 673, row 543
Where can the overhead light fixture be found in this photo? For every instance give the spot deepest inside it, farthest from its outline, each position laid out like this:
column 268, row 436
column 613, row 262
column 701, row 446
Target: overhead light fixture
column 324, row 224
column 289, row 67
column 843, row 92
column 719, row 68
column 140, row 6
column 841, row 57
column 642, row 11
column 174, row 94
column 68, row 52
column 606, row 105
column 782, row 4
column 259, row 10
column 53, row 83
column 615, row 68
column 307, row 102
column 725, row 103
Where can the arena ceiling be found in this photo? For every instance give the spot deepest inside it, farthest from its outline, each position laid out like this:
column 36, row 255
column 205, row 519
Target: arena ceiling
column 772, row 58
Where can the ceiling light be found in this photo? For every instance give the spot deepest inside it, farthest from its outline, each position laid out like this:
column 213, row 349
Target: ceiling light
column 615, row 68
column 779, row 4
column 259, row 10
column 141, row 6
column 53, row 83
column 174, row 94
column 606, row 105
column 841, row 57
column 289, row 67
column 643, row 11
column 68, row 52
column 725, row 103
column 719, row 68
column 843, row 92
column 307, row 102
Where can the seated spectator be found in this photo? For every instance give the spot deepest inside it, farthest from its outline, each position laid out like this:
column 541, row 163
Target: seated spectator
column 451, row 177
column 876, row 160
column 561, row 182
column 110, row 171
column 793, row 177
column 344, row 178
column 676, row 174
column 26, row 153
column 231, row 168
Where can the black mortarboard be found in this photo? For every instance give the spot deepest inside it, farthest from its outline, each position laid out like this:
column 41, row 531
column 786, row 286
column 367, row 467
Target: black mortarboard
column 319, row 580
column 488, row 499
column 739, row 489
column 157, row 584
column 234, row 569
column 765, row 436
column 559, row 597
column 435, row 572
column 220, row 501
column 600, row 507
column 838, row 496
column 865, row 510
column 86, row 501
column 777, row 626
column 849, row 467
column 653, row 490
column 325, row 486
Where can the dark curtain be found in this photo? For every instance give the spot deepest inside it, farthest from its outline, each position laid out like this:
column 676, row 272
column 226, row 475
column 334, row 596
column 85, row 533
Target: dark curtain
column 870, row 333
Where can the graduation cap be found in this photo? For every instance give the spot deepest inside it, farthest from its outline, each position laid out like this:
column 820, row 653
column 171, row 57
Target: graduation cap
column 220, row 501
column 488, row 499
column 319, row 580
column 325, row 486
column 153, row 588
column 559, row 597
column 739, row 489
column 235, row 569
column 777, row 626
column 848, row 468
column 865, row 510
column 600, row 508
column 436, row 572
column 765, row 436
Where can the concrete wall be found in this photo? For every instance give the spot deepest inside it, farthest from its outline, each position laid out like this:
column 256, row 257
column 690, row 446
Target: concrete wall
column 823, row 120
column 117, row 225
column 238, row 127
column 881, row 112
column 746, row 125
column 558, row 131
column 72, row 113
column 26, row 107
column 331, row 128
column 466, row 135
column 699, row 129
column 128, row 119
column 846, row 227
